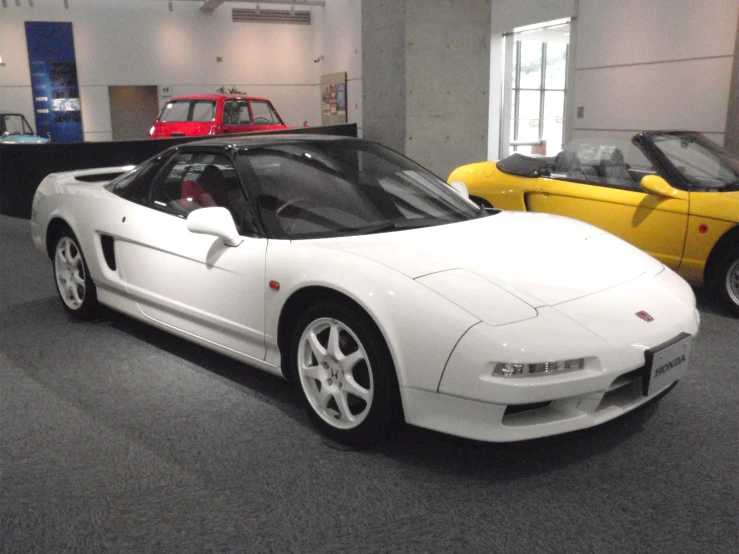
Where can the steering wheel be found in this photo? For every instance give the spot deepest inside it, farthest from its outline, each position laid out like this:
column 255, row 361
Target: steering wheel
column 261, row 121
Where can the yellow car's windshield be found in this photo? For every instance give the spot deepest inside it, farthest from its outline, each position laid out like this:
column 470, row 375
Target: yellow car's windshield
column 701, row 161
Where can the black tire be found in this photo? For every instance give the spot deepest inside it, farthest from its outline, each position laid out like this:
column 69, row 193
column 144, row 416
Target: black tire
column 72, row 278
column 358, row 337
column 726, row 280
column 481, row 202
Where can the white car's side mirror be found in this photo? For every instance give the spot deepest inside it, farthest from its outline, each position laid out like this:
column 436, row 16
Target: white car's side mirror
column 460, row 188
column 214, row 221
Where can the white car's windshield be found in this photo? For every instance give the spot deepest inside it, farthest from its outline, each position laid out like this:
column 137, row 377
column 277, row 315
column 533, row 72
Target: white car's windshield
column 346, row 187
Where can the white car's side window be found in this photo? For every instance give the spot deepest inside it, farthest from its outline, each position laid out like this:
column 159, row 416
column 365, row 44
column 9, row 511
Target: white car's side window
column 199, row 180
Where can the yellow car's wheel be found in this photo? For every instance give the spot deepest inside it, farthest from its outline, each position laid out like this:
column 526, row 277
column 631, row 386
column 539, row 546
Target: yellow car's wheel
column 727, row 279
column 481, row 202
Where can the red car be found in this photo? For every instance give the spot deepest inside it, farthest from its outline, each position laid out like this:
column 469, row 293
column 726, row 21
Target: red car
column 215, row 114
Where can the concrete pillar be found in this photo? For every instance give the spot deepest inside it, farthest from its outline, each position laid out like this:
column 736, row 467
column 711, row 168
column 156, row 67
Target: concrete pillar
column 426, row 73
column 383, row 72
column 731, row 140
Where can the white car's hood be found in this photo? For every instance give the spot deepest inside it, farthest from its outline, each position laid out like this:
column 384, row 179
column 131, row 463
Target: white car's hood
column 542, row 259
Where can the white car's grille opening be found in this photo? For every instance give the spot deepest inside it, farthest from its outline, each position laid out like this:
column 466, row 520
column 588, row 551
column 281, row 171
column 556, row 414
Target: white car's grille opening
column 625, row 389
column 520, row 408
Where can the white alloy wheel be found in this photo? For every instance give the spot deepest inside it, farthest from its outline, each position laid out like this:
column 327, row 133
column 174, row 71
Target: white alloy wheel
column 335, row 373
column 72, row 278
column 69, row 268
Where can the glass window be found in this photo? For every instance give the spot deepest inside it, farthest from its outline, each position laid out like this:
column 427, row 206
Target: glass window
column 609, row 162
column 513, row 126
column 556, row 67
column 203, row 111
column 337, row 187
column 264, row 114
column 530, row 67
column 236, row 112
column 185, row 110
column 528, row 115
column 15, row 124
column 553, row 124
column 135, row 184
column 538, row 97
column 199, row 180
column 175, row 111
column 703, row 163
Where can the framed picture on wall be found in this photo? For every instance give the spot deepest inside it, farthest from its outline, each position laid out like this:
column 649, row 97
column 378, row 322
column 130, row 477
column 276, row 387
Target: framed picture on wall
column 333, row 99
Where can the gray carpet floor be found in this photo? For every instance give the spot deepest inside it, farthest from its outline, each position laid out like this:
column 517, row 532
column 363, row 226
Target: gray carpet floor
column 117, row 437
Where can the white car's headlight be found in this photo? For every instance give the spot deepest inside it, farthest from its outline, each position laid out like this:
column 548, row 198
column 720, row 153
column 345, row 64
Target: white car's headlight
column 543, row 368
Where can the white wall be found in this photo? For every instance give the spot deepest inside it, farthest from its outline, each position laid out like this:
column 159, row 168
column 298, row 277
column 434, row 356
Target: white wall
column 651, row 64
column 139, row 42
column 338, row 38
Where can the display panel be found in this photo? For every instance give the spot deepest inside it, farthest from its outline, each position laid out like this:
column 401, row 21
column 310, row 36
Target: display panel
column 56, row 97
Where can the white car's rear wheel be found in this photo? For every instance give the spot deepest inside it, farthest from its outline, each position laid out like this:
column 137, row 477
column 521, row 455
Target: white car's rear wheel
column 344, row 373
column 73, row 283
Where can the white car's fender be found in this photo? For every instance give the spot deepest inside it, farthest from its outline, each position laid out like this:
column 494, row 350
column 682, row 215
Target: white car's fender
column 420, row 326
column 62, row 196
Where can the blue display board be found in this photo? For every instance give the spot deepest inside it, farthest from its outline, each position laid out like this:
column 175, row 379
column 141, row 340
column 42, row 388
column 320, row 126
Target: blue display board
column 56, row 96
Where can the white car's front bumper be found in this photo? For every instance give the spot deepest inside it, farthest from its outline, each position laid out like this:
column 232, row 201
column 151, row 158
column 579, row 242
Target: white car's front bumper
column 602, row 328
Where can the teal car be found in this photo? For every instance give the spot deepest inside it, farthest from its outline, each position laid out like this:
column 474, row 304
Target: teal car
column 14, row 128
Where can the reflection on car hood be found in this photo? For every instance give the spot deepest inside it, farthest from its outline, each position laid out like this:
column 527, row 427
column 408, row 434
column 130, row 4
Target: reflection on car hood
column 542, row 259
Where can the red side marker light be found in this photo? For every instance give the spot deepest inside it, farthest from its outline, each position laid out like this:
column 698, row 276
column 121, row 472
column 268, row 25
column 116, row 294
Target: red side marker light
column 274, row 285
column 703, row 228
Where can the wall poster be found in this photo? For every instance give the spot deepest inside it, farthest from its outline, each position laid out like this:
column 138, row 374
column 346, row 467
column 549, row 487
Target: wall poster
column 56, row 97
column 333, row 99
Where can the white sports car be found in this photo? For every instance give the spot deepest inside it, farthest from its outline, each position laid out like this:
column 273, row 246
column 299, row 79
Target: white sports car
column 378, row 289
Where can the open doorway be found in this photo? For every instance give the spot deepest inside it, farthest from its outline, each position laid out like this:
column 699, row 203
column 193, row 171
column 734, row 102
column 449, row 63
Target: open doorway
column 133, row 109
column 535, row 88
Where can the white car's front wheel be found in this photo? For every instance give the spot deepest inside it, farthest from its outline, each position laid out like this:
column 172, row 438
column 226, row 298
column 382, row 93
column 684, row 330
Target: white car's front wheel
column 73, row 282
column 344, row 373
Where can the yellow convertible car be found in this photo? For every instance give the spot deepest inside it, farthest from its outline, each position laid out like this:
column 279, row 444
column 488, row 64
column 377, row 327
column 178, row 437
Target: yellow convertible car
column 674, row 194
